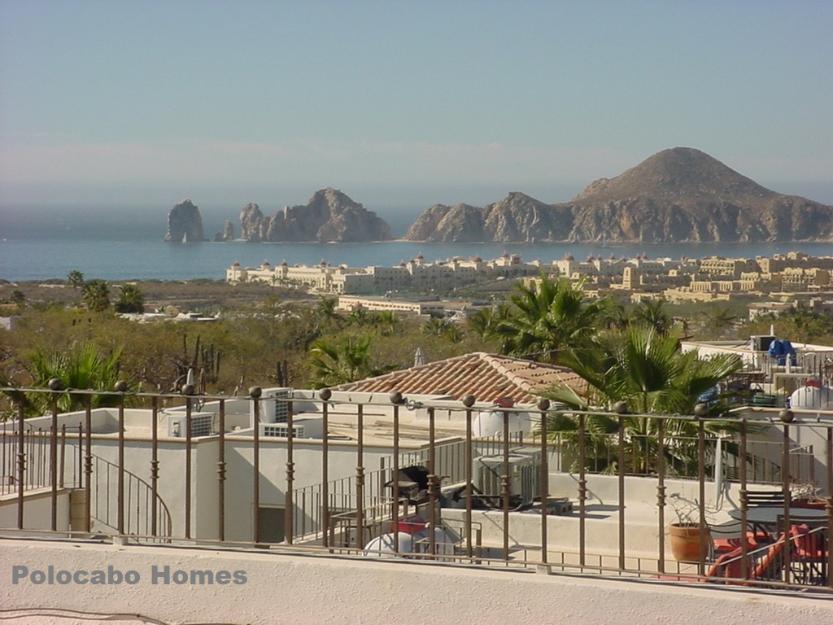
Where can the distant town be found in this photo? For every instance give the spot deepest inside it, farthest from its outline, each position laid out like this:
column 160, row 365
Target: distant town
column 769, row 284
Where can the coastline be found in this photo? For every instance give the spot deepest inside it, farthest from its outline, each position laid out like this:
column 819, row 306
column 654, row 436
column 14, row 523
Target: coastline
column 153, row 259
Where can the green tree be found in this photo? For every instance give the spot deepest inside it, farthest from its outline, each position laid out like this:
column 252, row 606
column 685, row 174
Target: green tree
column 96, row 295
column 645, row 369
column 484, row 322
column 720, row 319
column 652, row 313
column 387, row 322
column 548, row 316
column 131, row 299
column 81, row 366
column 338, row 361
column 326, row 311
column 19, row 298
column 75, row 279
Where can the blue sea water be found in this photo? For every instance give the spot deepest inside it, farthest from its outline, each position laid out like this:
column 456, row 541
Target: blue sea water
column 151, row 258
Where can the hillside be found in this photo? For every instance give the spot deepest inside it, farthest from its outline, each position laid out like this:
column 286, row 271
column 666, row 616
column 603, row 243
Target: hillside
column 679, row 194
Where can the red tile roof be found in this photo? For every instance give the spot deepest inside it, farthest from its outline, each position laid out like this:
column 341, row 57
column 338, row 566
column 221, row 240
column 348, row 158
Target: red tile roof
column 488, row 377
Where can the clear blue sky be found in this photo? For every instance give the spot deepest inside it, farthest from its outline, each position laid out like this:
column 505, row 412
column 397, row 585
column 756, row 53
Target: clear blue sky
column 400, row 103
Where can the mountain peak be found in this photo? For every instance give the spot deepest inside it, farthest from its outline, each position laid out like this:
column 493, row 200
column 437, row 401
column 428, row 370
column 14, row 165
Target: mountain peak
column 679, row 172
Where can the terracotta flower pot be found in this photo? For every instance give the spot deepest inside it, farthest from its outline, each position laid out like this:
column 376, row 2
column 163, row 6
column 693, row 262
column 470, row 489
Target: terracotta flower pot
column 685, row 541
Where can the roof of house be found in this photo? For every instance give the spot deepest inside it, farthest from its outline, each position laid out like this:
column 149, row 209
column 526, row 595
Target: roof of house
column 488, row 377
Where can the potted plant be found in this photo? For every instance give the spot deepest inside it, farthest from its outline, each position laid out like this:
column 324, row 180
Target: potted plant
column 684, row 535
column 806, row 495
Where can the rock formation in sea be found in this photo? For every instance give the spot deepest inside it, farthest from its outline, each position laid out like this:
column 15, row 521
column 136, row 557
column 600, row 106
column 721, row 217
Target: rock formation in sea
column 251, row 223
column 185, row 223
column 679, row 194
column 227, row 234
column 330, row 215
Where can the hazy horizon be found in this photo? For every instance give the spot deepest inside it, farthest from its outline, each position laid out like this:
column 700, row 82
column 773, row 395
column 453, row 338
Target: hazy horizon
column 400, row 105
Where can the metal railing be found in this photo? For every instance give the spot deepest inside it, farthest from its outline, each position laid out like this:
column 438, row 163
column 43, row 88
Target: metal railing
column 352, row 496
column 141, row 516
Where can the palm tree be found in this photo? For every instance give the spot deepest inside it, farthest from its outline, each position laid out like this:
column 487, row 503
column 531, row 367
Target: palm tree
column 131, row 299
column 75, row 279
column 96, row 295
column 19, row 299
column 79, row 367
column 548, row 316
column 485, row 321
column 645, row 369
column 387, row 322
column 327, row 311
column 720, row 319
column 653, row 314
column 336, row 362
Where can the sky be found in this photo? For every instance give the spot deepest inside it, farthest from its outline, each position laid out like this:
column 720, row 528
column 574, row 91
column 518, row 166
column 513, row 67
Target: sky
column 122, row 104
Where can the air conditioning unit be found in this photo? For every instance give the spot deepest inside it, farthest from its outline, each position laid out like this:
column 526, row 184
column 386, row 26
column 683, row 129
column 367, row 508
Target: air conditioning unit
column 524, row 474
column 201, row 425
column 274, row 407
column 282, row 430
column 761, row 342
column 281, row 406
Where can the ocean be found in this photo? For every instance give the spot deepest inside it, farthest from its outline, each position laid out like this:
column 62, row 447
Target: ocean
column 152, row 259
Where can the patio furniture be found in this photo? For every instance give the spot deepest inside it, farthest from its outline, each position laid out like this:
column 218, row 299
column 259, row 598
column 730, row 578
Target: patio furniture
column 765, row 498
column 727, row 537
column 764, row 519
column 809, row 555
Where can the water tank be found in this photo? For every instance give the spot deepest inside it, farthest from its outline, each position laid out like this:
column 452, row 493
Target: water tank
column 383, row 546
column 491, row 423
column 812, row 398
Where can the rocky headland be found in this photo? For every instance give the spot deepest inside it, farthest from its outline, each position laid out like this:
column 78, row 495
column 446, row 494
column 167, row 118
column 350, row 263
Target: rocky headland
column 677, row 195
column 329, row 216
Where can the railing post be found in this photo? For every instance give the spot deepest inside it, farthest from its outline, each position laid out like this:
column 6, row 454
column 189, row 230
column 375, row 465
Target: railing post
column 120, row 388
column 289, row 500
column 21, row 458
column 543, row 486
column 325, row 395
column 433, row 481
column 787, row 417
column 506, row 486
column 829, row 506
column 582, row 488
column 221, row 473
column 79, row 481
column 468, row 402
column 188, row 389
column 360, row 478
column 621, row 483
column 744, row 503
column 396, row 400
column 661, row 492
column 55, row 386
column 701, row 481
column 62, row 456
column 255, row 392
column 154, row 464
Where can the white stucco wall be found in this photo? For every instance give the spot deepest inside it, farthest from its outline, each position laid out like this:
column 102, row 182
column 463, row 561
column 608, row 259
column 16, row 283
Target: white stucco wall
column 37, row 510
column 298, row 590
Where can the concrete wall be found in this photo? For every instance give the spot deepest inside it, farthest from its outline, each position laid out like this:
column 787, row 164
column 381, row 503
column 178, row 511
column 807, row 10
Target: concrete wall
column 282, row 588
column 239, row 475
column 37, row 510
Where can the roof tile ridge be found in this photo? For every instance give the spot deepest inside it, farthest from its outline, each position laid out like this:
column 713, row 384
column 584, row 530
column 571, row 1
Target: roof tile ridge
column 498, row 366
